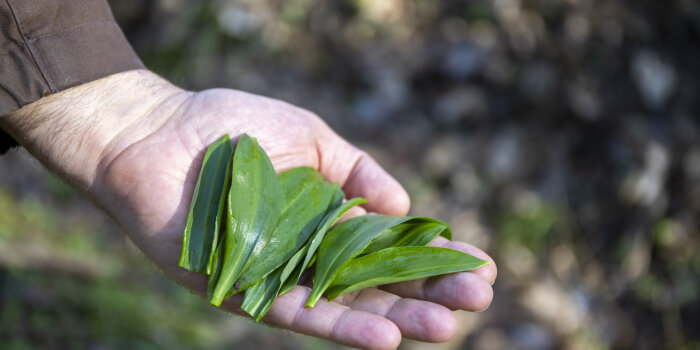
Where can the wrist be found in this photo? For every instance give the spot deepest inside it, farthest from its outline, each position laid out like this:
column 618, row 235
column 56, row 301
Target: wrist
column 72, row 131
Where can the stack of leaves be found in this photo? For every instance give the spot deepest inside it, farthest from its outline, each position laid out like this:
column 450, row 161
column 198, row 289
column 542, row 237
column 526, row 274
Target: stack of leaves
column 275, row 227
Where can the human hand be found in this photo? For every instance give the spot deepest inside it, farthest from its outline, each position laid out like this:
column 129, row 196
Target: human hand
column 139, row 160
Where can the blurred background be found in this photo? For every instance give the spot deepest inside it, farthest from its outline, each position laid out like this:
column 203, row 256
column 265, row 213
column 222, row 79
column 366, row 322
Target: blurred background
column 560, row 136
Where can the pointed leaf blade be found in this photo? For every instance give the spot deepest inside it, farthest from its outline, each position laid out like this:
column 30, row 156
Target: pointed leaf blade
column 400, row 264
column 254, row 207
column 206, row 209
column 418, row 231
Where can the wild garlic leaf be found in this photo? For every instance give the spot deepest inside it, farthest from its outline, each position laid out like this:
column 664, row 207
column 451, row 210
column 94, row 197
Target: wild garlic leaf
column 418, row 231
column 336, row 201
column 296, row 269
column 278, row 226
column 328, row 221
column 343, row 243
column 254, row 206
column 307, row 195
column 259, row 297
column 399, row 264
column 217, row 259
column 204, row 220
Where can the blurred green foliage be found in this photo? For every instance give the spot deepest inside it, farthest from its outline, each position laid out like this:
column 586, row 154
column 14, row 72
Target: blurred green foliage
column 66, row 282
column 530, row 227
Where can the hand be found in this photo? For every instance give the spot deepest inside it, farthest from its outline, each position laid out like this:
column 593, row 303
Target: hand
column 140, row 159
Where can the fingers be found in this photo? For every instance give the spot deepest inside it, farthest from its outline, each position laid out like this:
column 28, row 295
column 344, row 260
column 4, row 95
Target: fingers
column 460, row 291
column 465, row 290
column 369, row 319
column 416, row 319
column 328, row 320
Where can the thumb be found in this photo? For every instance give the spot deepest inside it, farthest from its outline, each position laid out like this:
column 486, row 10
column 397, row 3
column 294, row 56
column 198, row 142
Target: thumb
column 361, row 176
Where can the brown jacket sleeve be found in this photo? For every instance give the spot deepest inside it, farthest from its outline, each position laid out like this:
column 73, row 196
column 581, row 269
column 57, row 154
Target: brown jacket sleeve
column 50, row 45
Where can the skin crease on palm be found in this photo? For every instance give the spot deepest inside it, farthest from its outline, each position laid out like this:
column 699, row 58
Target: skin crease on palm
column 139, row 159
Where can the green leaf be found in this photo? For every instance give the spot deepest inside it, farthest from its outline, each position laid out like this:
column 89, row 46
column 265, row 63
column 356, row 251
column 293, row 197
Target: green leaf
column 307, row 196
column 399, row 264
column 336, row 201
column 259, row 298
column 217, row 261
column 328, row 221
column 418, row 231
column 343, row 243
column 254, row 206
column 296, row 270
column 204, row 220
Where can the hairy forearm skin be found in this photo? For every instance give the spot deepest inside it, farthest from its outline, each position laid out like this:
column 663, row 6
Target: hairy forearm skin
column 76, row 131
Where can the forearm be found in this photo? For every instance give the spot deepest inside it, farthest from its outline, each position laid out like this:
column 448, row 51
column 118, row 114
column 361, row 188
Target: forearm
column 71, row 131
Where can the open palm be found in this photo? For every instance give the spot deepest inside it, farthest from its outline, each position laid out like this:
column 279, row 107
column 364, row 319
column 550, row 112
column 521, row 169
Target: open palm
column 148, row 174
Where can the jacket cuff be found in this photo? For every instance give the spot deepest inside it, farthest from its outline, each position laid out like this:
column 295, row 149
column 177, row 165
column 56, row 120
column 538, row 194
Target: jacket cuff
column 47, row 46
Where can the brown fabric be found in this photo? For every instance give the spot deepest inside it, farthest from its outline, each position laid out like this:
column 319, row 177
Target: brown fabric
column 50, row 45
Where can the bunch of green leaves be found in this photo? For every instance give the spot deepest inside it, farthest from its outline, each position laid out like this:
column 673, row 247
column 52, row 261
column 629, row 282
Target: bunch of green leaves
column 252, row 230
